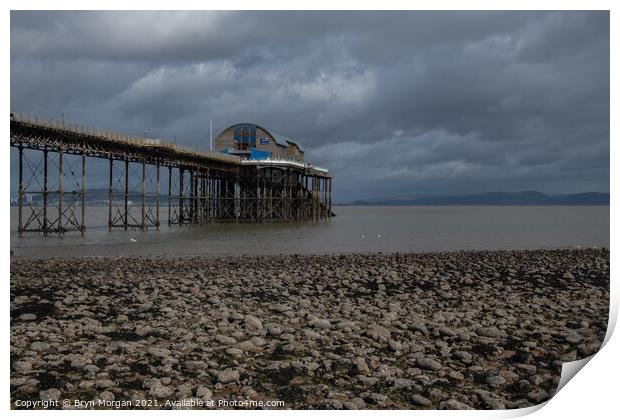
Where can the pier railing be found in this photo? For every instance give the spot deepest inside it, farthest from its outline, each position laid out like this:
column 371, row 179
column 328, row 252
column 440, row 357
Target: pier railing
column 280, row 161
column 119, row 137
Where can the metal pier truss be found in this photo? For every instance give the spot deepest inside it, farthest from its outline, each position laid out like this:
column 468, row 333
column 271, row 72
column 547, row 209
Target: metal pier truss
column 202, row 187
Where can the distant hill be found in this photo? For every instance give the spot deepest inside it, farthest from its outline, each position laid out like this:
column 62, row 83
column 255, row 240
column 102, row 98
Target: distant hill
column 522, row 198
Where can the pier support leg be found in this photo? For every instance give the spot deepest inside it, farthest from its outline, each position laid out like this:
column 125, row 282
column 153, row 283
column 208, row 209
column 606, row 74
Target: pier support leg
column 330, row 200
column 60, row 195
column 305, row 196
column 157, row 201
column 83, row 224
column 191, row 196
column 110, row 195
column 45, row 193
column 290, row 196
column 181, row 196
column 314, row 195
column 324, row 196
column 20, row 197
column 237, row 197
column 169, row 195
column 195, row 176
column 143, row 203
column 204, row 218
column 125, row 216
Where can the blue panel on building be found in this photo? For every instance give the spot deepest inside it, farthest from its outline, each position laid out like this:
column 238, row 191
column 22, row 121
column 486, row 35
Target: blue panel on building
column 256, row 154
column 264, row 141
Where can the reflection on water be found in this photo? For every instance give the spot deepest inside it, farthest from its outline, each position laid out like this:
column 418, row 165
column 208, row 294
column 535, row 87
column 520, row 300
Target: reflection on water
column 356, row 229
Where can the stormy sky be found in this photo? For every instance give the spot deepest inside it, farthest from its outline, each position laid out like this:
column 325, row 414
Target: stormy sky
column 391, row 102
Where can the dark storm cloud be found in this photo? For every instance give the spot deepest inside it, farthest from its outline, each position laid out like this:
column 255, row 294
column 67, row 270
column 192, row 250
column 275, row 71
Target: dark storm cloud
column 401, row 102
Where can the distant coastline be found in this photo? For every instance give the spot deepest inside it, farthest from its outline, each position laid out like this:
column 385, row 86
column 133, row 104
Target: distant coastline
column 523, row 198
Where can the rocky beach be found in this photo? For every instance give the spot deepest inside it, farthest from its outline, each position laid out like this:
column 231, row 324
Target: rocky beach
column 454, row 330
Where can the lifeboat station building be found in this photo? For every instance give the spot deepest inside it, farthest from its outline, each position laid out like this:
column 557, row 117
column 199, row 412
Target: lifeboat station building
column 253, row 142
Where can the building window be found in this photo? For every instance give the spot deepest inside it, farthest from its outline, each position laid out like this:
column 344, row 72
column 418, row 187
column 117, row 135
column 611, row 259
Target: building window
column 245, row 136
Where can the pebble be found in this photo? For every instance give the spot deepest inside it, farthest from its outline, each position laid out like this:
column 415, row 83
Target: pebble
column 378, row 332
column 537, row 396
column 160, row 391
column 227, row 376
column 428, row 364
column 253, row 322
column 362, row 366
column 104, row 383
column 50, row 394
column 395, row 345
column 204, row 392
column 495, row 381
column 235, row 352
column 225, row 339
column 420, row 400
column 159, row 351
column 106, row 396
column 453, row 405
column 320, row 323
column 573, row 337
column 492, row 332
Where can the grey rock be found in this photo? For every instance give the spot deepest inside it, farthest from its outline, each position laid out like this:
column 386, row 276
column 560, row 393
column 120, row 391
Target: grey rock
column 361, row 366
column 39, row 346
column 320, row 323
column 227, row 376
column 104, row 384
column 159, row 351
column 274, row 329
column 446, row 332
column 458, row 376
column 50, row 394
column 452, row 404
column 253, row 322
column 492, row 332
column 420, row 400
column 568, row 276
column 106, row 396
column 223, row 339
column 573, row 337
column 184, row 391
column 428, row 364
column 395, row 345
column 378, row 332
column 22, row 366
column 160, row 391
column 403, row 383
column 537, row 396
column 495, row 380
column 204, row 392
column 235, row 352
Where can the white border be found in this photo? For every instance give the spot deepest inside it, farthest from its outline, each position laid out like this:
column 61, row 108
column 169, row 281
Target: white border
column 591, row 395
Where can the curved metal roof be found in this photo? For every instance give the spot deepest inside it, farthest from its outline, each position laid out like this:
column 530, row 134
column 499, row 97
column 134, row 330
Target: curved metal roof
column 279, row 138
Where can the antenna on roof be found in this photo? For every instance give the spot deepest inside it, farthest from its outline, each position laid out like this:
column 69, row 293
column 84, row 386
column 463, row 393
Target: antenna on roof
column 211, row 135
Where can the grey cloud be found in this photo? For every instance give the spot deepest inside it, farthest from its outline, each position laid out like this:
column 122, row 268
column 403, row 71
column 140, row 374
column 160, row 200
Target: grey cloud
column 404, row 102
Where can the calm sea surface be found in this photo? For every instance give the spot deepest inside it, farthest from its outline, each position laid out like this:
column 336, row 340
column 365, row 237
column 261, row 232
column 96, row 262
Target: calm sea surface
column 356, row 229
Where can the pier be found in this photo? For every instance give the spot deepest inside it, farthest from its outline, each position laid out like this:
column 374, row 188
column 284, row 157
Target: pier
column 203, row 187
